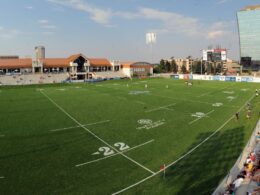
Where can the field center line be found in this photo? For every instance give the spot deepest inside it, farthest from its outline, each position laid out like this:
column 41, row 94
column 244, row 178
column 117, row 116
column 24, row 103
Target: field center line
column 183, row 156
column 89, row 162
column 2, row 177
column 201, row 117
column 161, row 107
column 93, row 134
column 66, row 128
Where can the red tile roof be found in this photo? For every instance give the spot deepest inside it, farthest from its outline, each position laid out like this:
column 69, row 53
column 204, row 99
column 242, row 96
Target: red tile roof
column 16, row 63
column 55, row 62
column 75, row 56
column 51, row 62
column 99, row 62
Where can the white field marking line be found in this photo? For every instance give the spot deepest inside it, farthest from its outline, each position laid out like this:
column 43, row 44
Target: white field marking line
column 183, row 156
column 191, row 100
column 161, row 107
column 66, row 128
column 205, row 94
column 2, row 177
column 201, row 117
column 93, row 134
column 2, row 135
column 89, row 162
column 181, row 99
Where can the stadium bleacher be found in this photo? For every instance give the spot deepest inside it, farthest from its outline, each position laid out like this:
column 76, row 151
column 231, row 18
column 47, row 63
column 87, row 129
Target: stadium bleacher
column 248, row 179
column 108, row 75
column 27, row 79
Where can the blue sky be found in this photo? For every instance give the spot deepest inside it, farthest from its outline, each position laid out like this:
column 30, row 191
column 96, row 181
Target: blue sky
column 116, row 29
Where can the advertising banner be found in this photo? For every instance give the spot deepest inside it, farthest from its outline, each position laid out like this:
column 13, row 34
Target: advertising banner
column 230, row 79
column 247, row 79
column 216, row 78
column 175, row 76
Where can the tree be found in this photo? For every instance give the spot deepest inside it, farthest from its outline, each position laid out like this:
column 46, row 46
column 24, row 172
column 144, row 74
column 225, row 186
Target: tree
column 168, row 66
column 219, row 67
column 174, row 66
column 162, row 65
column 209, row 68
column 183, row 69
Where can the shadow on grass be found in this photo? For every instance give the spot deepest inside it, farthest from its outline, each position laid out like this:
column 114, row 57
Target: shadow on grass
column 201, row 172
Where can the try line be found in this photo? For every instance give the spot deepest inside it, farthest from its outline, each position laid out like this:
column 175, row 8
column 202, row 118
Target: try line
column 183, row 156
column 89, row 162
column 93, row 134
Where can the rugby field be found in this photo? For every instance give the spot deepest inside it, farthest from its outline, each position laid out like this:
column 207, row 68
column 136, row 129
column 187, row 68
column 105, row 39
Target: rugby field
column 113, row 137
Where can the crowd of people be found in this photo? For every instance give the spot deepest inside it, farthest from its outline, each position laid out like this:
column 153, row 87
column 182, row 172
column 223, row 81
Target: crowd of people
column 249, row 172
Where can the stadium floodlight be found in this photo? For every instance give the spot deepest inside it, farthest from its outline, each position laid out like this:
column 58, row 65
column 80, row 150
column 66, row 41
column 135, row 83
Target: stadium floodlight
column 150, row 38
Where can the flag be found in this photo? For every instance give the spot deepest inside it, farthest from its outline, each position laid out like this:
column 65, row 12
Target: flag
column 162, row 167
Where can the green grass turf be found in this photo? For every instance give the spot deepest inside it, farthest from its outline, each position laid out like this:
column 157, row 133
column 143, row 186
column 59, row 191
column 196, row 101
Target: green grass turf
column 35, row 160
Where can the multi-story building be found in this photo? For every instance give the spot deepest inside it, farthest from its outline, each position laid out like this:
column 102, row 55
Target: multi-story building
column 249, row 36
column 187, row 62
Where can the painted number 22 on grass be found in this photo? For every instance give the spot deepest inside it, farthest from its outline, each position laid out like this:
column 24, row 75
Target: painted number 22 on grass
column 106, row 151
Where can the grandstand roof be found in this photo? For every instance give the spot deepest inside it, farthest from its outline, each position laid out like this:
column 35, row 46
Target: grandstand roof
column 55, row 62
column 134, row 64
column 99, row 62
column 75, row 56
column 16, row 63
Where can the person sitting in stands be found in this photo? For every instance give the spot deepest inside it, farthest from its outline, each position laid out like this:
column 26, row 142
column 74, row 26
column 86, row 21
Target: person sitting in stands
column 252, row 156
column 247, row 170
column 254, row 192
column 250, row 166
column 237, row 183
column 258, row 135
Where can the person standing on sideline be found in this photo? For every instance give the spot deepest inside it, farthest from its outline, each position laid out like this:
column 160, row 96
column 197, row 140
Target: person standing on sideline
column 237, row 115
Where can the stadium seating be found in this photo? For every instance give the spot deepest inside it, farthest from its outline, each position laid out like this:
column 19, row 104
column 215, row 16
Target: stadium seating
column 108, row 75
column 249, row 177
column 27, row 79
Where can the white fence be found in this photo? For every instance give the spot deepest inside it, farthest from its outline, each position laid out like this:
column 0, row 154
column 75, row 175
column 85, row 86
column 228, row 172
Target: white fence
column 211, row 77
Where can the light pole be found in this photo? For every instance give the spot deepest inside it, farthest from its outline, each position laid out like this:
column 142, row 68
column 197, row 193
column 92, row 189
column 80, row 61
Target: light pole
column 201, row 66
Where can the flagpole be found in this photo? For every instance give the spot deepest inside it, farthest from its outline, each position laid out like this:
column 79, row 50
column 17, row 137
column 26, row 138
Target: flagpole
column 164, row 171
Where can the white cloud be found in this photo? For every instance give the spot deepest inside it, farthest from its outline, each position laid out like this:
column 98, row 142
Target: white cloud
column 217, row 30
column 49, row 26
column 45, row 24
column 43, row 21
column 98, row 15
column 29, row 7
column 222, row 1
column 47, row 33
column 215, row 34
column 8, row 33
column 170, row 22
